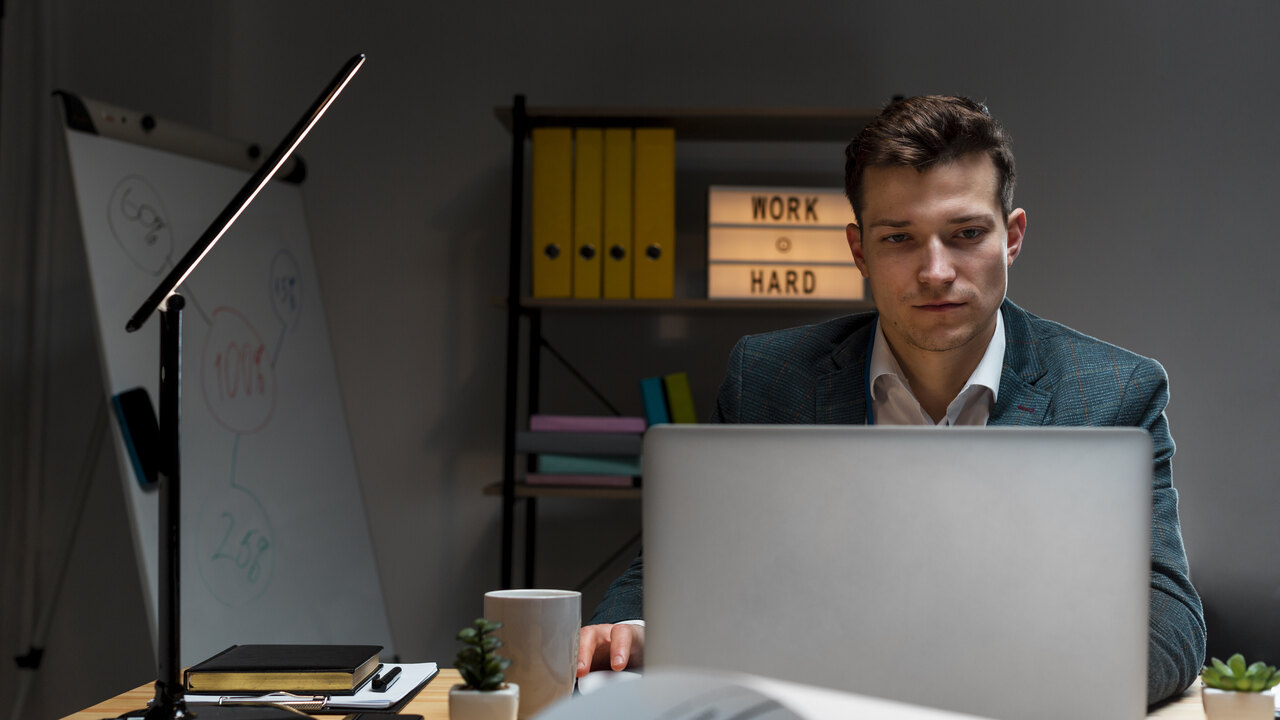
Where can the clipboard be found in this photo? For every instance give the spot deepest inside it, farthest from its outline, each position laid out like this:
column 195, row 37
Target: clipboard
column 413, row 676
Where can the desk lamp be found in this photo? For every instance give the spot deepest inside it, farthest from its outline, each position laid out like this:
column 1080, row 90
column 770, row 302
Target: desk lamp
column 168, row 703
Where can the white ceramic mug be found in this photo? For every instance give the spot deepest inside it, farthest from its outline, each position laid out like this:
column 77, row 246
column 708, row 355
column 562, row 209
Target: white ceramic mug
column 540, row 637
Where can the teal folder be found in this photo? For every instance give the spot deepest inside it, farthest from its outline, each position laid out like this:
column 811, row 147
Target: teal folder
column 589, row 464
column 655, row 401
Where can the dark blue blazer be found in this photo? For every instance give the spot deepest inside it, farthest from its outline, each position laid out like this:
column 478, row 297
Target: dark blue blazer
column 816, row 374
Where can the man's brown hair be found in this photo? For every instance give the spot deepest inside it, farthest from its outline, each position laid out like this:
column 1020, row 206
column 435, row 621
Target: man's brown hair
column 925, row 131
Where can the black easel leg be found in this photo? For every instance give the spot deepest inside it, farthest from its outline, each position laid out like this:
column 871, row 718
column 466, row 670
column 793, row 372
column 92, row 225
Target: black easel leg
column 169, row 703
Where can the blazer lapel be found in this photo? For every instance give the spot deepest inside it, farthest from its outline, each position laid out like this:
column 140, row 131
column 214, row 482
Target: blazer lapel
column 1020, row 401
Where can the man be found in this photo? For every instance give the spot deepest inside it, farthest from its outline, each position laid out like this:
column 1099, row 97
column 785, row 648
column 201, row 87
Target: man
column 931, row 183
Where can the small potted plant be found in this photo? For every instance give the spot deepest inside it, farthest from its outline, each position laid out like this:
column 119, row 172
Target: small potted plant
column 1236, row 691
column 485, row 694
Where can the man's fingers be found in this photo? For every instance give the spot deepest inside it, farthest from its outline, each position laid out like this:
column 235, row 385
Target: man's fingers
column 586, row 648
column 620, row 646
column 609, row 646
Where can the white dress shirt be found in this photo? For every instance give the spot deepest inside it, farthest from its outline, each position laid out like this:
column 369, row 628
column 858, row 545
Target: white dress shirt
column 893, row 403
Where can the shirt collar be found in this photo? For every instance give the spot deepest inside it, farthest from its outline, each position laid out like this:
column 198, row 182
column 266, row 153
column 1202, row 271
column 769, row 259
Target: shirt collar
column 987, row 374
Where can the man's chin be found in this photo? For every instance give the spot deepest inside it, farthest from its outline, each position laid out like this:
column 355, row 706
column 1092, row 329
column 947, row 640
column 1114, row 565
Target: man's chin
column 934, row 341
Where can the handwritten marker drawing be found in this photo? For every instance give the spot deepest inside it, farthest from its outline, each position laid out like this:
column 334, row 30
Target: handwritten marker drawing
column 140, row 223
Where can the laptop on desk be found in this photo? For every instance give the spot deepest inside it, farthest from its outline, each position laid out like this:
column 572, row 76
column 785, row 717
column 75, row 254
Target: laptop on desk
column 1001, row 572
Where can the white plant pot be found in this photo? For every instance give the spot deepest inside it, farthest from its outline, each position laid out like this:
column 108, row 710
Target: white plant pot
column 1228, row 705
column 488, row 705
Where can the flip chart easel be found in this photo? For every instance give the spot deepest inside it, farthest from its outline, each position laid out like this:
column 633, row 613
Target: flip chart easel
column 275, row 545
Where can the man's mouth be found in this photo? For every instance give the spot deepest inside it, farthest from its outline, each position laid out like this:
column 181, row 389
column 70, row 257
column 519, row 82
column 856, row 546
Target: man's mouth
column 939, row 306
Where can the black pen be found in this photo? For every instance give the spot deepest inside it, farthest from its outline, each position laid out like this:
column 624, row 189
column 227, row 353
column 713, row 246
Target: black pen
column 380, row 684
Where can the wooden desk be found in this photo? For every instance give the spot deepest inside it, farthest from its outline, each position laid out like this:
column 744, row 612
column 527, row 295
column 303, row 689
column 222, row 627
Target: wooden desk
column 432, row 703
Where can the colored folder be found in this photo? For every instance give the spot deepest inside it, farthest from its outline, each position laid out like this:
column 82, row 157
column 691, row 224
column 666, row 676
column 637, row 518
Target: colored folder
column 588, row 211
column 555, row 463
column 617, row 259
column 655, row 401
column 586, row 423
column 552, row 221
column 679, row 398
column 580, row 480
column 579, row 443
column 654, row 218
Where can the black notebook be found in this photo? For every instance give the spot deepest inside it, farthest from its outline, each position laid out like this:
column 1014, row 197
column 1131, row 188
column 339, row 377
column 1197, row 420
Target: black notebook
column 331, row 669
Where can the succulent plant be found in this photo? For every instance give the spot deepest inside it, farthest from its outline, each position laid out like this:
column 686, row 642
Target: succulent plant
column 1235, row 675
column 481, row 667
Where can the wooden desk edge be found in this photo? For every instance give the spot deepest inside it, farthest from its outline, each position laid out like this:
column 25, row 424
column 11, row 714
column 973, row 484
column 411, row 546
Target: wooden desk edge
column 431, row 702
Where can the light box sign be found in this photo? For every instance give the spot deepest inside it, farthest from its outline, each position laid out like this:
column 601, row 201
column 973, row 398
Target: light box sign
column 779, row 243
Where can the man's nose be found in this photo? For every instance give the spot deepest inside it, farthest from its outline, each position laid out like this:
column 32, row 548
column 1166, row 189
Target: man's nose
column 936, row 264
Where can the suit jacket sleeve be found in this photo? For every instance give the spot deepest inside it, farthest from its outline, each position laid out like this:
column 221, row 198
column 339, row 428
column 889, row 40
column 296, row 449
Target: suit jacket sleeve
column 624, row 598
column 1177, row 631
column 730, row 393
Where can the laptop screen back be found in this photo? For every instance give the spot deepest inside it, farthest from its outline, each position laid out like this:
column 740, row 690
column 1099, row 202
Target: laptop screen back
column 996, row 571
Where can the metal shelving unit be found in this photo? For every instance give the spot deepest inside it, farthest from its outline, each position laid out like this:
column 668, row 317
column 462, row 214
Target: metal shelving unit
column 705, row 124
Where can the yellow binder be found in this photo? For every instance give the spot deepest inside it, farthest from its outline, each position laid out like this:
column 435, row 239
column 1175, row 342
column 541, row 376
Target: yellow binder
column 588, row 199
column 552, row 241
column 655, row 213
column 617, row 213
column 679, row 397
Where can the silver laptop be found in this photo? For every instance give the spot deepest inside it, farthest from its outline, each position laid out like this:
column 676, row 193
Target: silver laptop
column 1001, row 572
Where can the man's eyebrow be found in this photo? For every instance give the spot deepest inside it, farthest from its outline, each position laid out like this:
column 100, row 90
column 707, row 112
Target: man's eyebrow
column 971, row 218
column 960, row 220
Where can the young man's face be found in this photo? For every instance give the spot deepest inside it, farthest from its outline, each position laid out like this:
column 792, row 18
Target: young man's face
column 936, row 251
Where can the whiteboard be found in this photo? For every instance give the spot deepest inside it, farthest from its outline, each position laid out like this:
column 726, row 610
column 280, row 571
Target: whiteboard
column 275, row 540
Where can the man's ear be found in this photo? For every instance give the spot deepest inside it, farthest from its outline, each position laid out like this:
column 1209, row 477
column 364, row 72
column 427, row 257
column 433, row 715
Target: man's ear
column 854, row 234
column 1017, row 229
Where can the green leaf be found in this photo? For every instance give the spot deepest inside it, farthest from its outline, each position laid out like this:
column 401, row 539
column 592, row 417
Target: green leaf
column 1211, row 677
column 467, row 635
column 1256, row 669
column 1236, row 663
column 1222, row 669
column 1242, row 684
column 1275, row 680
column 469, row 677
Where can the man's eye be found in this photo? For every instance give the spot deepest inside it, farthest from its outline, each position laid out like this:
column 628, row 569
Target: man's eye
column 895, row 238
column 972, row 233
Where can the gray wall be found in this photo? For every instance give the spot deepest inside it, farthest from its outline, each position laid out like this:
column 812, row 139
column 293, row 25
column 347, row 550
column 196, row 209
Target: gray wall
column 1147, row 156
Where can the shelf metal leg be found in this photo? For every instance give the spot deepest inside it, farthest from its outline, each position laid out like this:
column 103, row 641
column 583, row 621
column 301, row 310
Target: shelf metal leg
column 514, row 273
column 530, row 537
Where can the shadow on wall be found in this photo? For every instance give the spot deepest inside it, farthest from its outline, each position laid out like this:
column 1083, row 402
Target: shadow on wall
column 1254, row 634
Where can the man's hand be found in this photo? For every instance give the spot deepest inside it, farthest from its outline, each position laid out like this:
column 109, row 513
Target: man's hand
column 607, row 646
